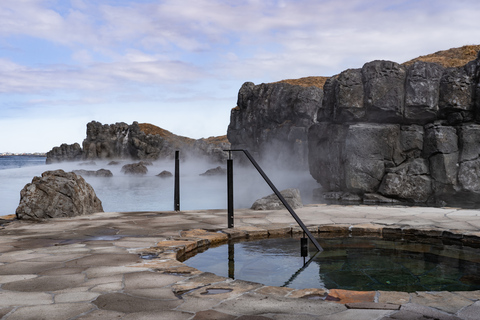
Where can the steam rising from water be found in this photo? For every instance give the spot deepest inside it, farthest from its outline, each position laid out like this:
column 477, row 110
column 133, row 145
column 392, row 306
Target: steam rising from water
column 151, row 193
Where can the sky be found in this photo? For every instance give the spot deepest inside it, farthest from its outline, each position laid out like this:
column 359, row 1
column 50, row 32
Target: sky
column 179, row 64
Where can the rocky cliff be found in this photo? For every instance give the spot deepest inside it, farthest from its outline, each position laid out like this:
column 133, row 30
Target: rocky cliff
column 406, row 132
column 137, row 141
column 272, row 121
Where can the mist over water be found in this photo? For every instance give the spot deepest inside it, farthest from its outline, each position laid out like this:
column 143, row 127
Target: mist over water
column 151, row 193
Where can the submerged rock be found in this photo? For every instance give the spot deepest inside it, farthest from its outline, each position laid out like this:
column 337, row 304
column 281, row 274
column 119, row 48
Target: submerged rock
column 57, row 194
column 165, row 174
column 218, row 171
column 272, row 202
column 93, row 173
column 135, row 169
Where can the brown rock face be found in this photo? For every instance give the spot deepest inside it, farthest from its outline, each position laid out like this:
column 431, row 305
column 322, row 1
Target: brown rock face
column 57, row 194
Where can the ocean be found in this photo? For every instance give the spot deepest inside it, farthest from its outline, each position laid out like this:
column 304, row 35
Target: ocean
column 124, row 193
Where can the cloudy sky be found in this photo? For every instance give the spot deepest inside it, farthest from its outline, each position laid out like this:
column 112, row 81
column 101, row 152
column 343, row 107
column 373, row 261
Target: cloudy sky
column 179, row 64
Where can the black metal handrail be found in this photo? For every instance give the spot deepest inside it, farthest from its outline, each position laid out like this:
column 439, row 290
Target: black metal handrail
column 275, row 190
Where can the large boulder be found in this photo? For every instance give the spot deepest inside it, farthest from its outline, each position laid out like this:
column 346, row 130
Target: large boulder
column 57, row 194
column 272, row 202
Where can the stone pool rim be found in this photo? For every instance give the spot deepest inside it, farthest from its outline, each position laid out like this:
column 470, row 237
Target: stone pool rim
column 175, row 248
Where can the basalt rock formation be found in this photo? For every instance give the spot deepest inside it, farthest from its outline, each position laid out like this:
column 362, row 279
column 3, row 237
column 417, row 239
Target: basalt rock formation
column 409, row 133
column 138, row 142
column 57, row 194
column 272, row 121
column 383, row 132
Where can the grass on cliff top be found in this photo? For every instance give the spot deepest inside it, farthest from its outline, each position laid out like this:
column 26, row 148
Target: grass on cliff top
column 148, row 128
column 306, row 81
column 454, row 57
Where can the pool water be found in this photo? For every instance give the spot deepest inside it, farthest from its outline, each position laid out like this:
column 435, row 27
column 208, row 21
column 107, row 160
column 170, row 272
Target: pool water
column 353, row 263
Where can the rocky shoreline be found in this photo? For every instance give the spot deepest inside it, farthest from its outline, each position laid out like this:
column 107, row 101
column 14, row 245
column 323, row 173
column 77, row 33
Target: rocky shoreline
column 123, row 141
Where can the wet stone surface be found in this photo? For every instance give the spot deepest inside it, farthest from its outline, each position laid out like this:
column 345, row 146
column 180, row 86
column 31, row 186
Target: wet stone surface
column 91, row 267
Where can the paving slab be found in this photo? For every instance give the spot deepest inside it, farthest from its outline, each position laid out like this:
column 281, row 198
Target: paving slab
column 444, row 301
column 254, row 305
column 12, row 298
column 126, row 303
column 60, row 311
column 105, row 250
column 101, row 315
column 357, row 315
column 76, row 297
column 412, row 311
column 170, row 315
column 471, row 312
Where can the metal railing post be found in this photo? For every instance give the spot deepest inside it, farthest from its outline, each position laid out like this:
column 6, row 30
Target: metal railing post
column 176, row 195
column 230, row 190
column 282, row 199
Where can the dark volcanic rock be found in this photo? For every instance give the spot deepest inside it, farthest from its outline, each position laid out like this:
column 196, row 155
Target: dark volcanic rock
column 272, row 202
column 57, row 194
column 135, row 169
column 422, row 92
column 218, row 171
column 402, row 133
column 66, row 152
column 123, row 141
column 93, row 173
column 384, row 83
column 271, row 121
column 165, row 174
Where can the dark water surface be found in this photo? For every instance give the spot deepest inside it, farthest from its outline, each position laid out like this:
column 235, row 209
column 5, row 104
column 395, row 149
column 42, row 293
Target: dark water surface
column 347, row 263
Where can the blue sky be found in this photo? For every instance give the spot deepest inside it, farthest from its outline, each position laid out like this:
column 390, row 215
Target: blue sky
column 179, row 64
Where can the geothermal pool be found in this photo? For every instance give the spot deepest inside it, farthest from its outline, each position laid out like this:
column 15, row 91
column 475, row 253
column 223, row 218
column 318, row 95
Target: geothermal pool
column 353, row 263
column 123, row 193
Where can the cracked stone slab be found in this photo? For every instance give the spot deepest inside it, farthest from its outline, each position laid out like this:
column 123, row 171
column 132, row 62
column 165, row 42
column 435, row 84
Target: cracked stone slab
column 213, row 237
column 254, row 305
column 46, row 283
column 471, row 312
column 444, row 301
column 12, row 298
column 14, row 278
column 59, row 311
column 170, row 315
column 127, row 304
column 352, row 314
column 224, row 290
column 76, row 297
column 147, row 279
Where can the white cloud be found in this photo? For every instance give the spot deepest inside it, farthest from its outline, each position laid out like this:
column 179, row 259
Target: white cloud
column 175, row 55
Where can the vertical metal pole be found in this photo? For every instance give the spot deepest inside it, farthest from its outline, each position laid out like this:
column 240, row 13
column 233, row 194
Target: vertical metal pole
column 230, row 189
column 231, row 261
column 176, row 196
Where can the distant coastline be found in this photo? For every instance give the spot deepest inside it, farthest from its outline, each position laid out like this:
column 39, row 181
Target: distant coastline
column 35, row 154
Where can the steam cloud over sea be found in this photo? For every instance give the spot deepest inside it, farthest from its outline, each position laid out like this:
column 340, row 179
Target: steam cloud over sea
column 151, row 193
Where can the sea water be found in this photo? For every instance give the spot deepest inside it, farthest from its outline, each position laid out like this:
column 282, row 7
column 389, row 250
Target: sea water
column 125, row 193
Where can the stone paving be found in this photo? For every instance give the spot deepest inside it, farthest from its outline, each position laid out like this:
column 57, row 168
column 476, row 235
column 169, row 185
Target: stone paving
column 124, row 266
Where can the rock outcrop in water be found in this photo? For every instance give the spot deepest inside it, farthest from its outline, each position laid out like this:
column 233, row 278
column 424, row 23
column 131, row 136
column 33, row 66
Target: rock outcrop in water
column 57, row 194
column 139, row 142
column 410, row 133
